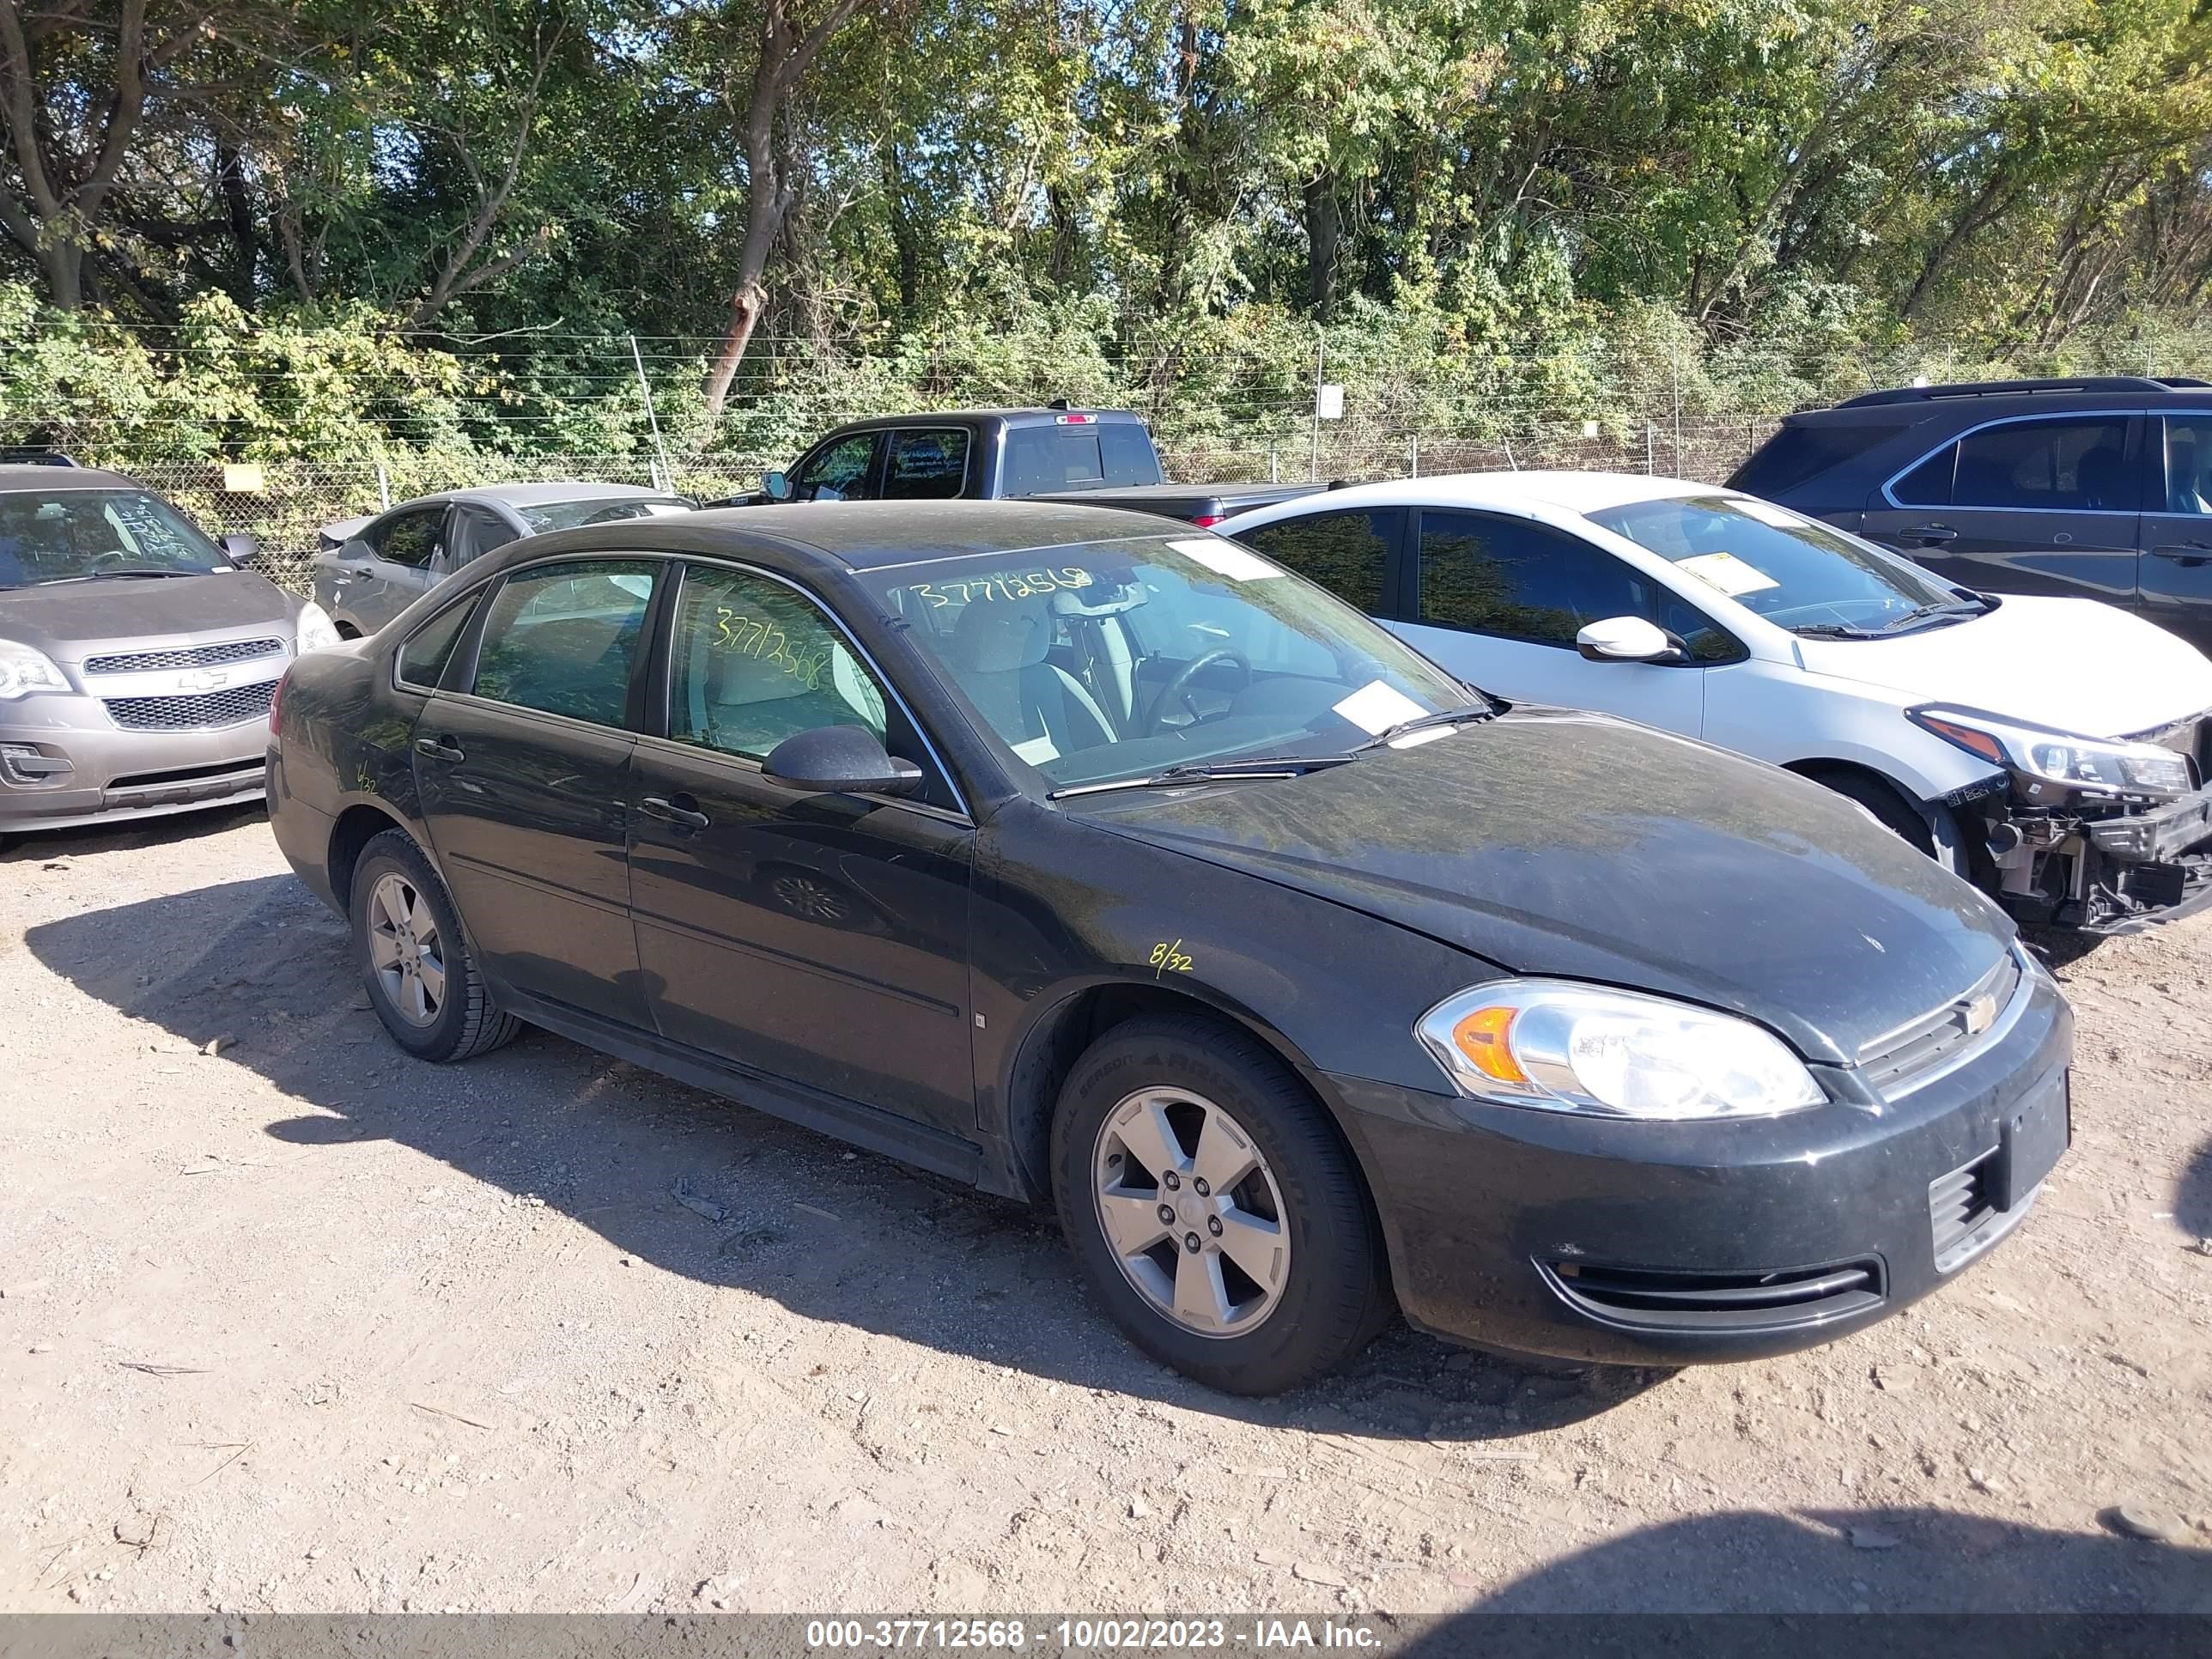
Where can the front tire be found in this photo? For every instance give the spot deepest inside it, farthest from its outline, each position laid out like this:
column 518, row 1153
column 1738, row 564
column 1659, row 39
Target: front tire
column 415, row 962
column 1215, row 1208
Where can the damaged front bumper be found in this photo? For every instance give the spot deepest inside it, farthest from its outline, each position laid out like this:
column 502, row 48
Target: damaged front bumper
column 2102, row 865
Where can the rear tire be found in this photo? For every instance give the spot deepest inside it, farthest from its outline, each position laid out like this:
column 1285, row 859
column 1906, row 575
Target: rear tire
column 1192, row 1098
column 415, row 961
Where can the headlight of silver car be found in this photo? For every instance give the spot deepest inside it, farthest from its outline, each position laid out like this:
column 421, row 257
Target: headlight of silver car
column 317, row 631
column 1564, row 1047
column 2114, row 766
column 23, row 671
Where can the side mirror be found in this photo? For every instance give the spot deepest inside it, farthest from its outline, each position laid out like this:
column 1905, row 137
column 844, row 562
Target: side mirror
column 776, row 486
column 840, row 759
column 1627, row 639
column 241, row 549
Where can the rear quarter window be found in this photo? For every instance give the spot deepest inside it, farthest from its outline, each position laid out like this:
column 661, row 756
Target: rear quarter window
column 1799, row 453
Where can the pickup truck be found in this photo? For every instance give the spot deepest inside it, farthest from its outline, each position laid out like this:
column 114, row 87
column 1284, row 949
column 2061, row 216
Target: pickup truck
column 1102, row 457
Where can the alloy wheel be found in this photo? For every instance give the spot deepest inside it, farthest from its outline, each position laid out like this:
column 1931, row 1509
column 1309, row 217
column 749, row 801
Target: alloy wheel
column 405, row 951
column 1191, row 1212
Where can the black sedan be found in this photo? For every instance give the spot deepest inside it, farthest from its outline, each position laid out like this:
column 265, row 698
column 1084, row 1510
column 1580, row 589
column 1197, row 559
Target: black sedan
column 1085, row 858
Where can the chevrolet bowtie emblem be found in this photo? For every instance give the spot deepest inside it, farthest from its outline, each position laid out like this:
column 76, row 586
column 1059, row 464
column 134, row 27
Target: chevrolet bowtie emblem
column 1980, row 1013
column 203, row 679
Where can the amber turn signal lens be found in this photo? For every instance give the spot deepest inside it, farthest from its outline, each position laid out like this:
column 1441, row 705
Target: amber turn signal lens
column 1481, row 1037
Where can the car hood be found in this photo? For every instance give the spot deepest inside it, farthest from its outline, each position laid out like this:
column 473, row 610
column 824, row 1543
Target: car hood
column 71, row 621
column 2074, row 664
column 1559, row 843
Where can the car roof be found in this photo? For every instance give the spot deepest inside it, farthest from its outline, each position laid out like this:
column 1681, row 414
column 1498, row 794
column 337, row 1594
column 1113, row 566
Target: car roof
column 36, row 476
column 1010, row 417
column 1513, row 492
column 537, row 495
column 1971, row 402
column 866, row 535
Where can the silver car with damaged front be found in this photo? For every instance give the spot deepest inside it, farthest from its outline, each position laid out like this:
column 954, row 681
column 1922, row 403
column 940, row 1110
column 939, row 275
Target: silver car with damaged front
column 137, row 656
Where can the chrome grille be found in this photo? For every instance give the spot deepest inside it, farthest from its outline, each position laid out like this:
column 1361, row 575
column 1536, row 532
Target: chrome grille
column 190, row 656
column 232, row 706
column 1894, row 1062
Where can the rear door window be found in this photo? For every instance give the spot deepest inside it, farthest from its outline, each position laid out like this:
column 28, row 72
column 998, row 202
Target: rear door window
column 2189, row 464
column 1096, row 455
column 423, row 660
column 474, row 533
column 2066, row 463
column 1348, row 553
column 565, row 638
column 926, row 465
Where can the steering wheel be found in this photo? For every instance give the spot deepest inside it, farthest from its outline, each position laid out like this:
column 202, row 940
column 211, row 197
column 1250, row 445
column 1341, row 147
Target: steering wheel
column 1180, row 685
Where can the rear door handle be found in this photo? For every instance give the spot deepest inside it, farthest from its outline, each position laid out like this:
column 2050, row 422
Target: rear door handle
column 1928, row 534
column 2188, row 555
column 674, row 812
column 444, row 749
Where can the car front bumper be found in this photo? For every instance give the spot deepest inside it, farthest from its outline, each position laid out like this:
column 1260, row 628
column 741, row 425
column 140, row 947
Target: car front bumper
column 64, row 763
column 1671, row 1243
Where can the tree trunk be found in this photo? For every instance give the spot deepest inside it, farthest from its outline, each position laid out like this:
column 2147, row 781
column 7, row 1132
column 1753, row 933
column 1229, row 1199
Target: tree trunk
column 1324, row 230
column 238, row 208
column 903, row 238
column 745, row 308
column 63, row 261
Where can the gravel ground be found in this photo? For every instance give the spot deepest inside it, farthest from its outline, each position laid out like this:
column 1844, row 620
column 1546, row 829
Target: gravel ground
column 302, row 1324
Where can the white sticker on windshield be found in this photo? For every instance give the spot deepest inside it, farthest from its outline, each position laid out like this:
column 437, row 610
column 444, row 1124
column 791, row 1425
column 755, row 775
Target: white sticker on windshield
column 1766, row 513
column 1227, row 559
column 1727, row 572
column 1037, row 750
column 1375, row 707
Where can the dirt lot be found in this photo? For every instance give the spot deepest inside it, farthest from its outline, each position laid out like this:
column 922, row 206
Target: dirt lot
column 305, row 1324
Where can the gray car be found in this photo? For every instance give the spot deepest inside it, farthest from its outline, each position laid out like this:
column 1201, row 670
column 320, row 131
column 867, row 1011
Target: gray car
column 137, row 659
column 380, row 565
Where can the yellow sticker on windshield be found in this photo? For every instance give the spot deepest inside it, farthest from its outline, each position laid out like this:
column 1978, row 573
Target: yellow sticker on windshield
column 1004, row 585
column 1727, row 572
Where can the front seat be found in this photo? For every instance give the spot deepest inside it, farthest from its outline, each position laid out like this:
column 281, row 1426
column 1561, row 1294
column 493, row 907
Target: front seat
column 999, row 648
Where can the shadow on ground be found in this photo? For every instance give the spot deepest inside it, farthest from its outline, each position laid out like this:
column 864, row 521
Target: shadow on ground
column 1818, row 1561
column 832, row 1234
column 179, row 831
column 2192, row 1197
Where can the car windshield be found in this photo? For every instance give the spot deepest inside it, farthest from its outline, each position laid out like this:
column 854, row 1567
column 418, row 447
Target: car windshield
column 76, row 535
column 541, row 516
column 1795, row 572
column 1103, row 660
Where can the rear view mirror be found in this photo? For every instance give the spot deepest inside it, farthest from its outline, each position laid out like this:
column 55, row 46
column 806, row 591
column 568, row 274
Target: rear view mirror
column 840, row 759
column 1627, row 639
column 776, row 487
column 241, row 549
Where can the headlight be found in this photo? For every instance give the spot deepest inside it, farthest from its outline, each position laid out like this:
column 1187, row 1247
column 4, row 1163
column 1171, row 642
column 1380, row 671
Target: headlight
column 2115, row 767
column 23, row 671
column 1569, row 1048
column 317, row 631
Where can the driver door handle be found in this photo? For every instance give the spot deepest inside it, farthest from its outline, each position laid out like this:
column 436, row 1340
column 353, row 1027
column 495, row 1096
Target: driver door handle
column 2188, row 555
column 444, row 749
column 674, row 812
column 1928, row 534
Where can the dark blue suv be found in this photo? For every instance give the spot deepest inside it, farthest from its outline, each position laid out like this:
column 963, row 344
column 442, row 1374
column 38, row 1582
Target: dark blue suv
column 2094, row 489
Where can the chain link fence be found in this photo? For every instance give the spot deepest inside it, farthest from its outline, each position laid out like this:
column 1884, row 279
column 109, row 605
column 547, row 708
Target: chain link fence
column 296, row 498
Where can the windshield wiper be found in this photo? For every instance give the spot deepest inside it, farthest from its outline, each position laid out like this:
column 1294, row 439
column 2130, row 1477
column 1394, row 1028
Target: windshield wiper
column 133, row 571
column 1832, row 631
column 1466, row 714
column 1258, row 766
column 1927, row 612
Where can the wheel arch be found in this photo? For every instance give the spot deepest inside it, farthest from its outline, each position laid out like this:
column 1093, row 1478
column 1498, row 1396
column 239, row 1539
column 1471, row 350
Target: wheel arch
column 1950, row 841
column 355, row 828
column 1078, row 1018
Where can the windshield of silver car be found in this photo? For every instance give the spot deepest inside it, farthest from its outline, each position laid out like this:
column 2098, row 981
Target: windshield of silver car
column 1795, row 572
column 77, row 535
column 1101, row 660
